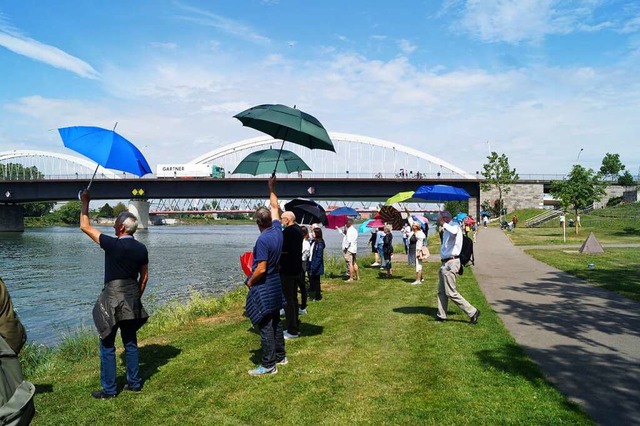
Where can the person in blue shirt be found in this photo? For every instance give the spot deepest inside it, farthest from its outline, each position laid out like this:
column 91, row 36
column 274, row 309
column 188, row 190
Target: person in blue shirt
column 265, row 298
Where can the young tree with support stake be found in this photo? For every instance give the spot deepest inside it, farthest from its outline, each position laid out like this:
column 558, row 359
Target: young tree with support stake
column 498, row 175
column 582, row 188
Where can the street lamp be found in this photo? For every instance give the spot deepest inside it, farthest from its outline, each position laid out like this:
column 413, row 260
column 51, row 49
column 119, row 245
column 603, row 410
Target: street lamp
column 579, row 152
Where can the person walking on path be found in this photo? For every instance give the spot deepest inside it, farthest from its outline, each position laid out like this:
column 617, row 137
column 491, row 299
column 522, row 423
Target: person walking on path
column 350, row 249
column 418, row 239
column 291, row 272
column 514, row 220
column 265, row 297
column 316, row 264
column 449, row 255
column 119, row 306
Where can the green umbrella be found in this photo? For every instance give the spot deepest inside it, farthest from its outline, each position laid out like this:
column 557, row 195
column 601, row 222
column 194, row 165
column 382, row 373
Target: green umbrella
column 400, row 197
column 266, row 161
column 288, row 124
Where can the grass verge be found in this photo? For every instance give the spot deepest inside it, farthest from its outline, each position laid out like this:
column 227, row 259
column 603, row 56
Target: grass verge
column 370, row 353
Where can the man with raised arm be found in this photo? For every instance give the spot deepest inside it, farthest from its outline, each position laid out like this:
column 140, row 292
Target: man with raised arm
column 450, row 258
column 265, row 298
column 119, row 306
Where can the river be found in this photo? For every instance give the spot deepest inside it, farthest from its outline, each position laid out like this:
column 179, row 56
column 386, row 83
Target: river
column 55, row 274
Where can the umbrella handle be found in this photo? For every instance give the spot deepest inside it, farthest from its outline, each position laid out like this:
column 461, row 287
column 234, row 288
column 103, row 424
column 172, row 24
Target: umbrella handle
column 280, row 153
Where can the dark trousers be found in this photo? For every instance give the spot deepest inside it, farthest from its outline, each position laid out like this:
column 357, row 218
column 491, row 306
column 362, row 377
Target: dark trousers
column 271, row 339
column 314, row 286
column 290, row 285
column 108, row 357
column 303, row 289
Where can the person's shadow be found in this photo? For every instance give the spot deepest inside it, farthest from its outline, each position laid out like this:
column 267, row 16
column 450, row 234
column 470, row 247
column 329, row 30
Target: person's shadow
column 152, row 357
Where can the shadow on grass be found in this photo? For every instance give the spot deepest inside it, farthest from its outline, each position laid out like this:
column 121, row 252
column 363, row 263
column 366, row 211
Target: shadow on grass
column 43, row 388
column 628, row 231
column 152, row 357
column 417, row 310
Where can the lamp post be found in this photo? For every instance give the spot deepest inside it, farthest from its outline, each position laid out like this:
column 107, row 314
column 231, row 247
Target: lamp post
column 579, row 152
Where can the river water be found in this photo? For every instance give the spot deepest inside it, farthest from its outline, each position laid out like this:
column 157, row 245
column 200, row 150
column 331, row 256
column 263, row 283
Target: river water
column 54, row 275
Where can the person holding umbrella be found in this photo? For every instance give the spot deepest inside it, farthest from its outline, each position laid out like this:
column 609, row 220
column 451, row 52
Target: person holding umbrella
column 119, row 306
column 265, row 298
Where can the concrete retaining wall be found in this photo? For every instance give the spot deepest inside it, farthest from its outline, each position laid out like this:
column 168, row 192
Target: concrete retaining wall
column 11, row 218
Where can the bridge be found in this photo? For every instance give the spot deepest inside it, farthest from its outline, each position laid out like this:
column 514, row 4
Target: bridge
column 362, row 169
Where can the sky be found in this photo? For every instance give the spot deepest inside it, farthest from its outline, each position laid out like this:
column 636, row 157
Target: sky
column 537, row 80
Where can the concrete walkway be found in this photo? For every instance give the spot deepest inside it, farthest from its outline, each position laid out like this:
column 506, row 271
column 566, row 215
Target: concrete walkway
column 586, row 340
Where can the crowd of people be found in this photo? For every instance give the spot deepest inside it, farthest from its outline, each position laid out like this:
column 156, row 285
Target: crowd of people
column 287, row 258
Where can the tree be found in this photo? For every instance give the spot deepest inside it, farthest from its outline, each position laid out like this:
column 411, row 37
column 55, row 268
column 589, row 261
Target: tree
column 455, row 207
column 581, row 188
column 37, row 209
column 611, row 166
column 69, row 213
column 106, row 211
column 626, row 179
column 498, row 175
column 16, row 171
column 119, row 208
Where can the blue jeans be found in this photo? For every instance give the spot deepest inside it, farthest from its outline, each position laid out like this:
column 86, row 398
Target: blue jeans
column 272, row 339
column 108, row 357
column 380, row 253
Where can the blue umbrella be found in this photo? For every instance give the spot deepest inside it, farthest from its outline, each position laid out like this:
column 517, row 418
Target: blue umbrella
column 363, row 226
column 460, row 217
column 441, row 193
column 105, row 147
column 344, row 211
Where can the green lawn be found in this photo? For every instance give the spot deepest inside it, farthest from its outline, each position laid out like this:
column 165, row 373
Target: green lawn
column 616, row 270
column 371, row 353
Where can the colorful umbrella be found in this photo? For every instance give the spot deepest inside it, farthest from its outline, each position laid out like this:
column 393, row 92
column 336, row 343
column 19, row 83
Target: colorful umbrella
column 376, row 223
column 460, row 217
column 266, row 161
column 400, row 197
column 364, row 226
column 288, row 124
column 105, row 147
column 392, row 216
column 344, row 211
column 246, row 262
column 441, row 193
column 469, row 220
column 421, row 219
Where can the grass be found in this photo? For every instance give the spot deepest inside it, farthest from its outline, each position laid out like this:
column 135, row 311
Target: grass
column 371, row 353
column 617, row 269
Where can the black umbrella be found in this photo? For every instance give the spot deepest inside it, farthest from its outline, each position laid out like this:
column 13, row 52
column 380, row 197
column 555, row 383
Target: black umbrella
column 307, row 211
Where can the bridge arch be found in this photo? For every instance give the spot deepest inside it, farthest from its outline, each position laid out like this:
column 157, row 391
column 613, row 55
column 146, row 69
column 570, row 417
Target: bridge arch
column 359, row 156
column 54, row 164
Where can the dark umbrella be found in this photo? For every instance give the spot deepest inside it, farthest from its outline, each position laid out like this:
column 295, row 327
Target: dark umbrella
column 288, row 124
column 266, row 161
column 390, row 215
column 307, row 211
column 105, row 147
column 441, row 193
column 344, row 211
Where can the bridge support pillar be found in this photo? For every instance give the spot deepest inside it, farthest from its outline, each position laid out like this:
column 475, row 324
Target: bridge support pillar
column 11, row 218
column 140, row 208
column 474, row 207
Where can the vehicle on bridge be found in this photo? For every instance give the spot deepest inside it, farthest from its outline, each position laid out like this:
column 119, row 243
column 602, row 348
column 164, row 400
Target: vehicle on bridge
column 189, row 171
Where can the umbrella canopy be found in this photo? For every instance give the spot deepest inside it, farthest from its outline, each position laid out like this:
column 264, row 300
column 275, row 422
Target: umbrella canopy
column 336, row 221
column 105, row 147
column 364, row 226
column 376, row 223
column 423, row 220
column 441, row 193
column 469, row 220
column 344, row 211
column 246, row 262
column 485, row 213
column 400, row 197
column 392, row 216
column 307, row 211
column 460, row 217
column 288, row 124
column 266, row 161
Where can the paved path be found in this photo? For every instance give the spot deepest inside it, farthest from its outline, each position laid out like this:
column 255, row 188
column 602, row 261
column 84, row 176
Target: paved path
column 586, row 340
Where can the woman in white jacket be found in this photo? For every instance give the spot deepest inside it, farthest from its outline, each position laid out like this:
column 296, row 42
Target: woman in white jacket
column 420, row 238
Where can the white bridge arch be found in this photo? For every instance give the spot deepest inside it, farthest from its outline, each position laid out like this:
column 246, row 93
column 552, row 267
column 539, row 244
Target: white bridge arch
column 356, row 156
column 53, row 165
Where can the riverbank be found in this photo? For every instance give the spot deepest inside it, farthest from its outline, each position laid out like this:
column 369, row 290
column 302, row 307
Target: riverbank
column 370, row 352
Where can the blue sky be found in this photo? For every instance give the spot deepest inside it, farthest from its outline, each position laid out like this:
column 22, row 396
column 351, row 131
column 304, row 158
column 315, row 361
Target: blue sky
column 536, row 79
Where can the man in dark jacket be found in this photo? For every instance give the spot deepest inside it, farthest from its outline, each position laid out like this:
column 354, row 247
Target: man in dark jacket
column 264, row 299
column 119, row 305
column 291, row 272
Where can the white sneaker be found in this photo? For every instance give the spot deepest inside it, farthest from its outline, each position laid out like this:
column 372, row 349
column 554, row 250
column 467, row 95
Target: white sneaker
column 416, row 282
column 288, row 336
column 302, row 312
column 282, row 312
column 375, row 264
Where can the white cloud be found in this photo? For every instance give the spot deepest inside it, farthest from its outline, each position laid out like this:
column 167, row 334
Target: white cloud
column 536, row 116
column 631, row 26
column 228, row 26
column 164, row 45
column 45, row 53
column 516, row 21
column 406, row 46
